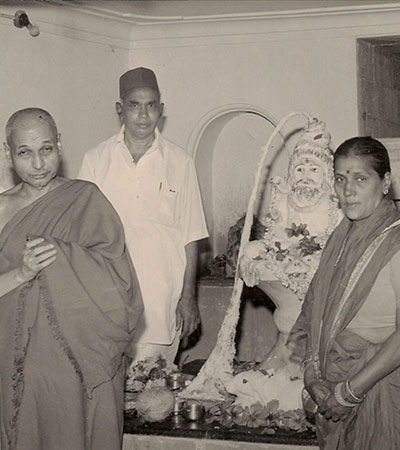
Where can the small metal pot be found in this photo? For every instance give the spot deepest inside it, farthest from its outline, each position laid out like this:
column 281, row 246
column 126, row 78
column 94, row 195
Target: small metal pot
column 193, row 410
column 175, row 381
column 178, row 406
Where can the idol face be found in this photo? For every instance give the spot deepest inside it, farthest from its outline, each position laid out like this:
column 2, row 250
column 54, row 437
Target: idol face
column 308, row 172
column 307, row 181
column 358, row 187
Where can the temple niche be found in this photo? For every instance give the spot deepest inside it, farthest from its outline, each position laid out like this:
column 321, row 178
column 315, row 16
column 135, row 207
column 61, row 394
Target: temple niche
column 226, row 145
column 298, row 211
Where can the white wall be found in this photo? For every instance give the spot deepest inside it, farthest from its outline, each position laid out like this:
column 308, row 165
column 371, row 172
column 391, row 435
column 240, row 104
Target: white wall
column 281, row 64
column 73, row 75
column 276, row 62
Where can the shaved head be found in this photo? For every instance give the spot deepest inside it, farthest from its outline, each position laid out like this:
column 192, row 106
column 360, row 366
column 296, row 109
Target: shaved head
column 29, row 118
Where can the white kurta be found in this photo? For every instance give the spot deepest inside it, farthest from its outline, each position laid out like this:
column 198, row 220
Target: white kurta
column 158, row 201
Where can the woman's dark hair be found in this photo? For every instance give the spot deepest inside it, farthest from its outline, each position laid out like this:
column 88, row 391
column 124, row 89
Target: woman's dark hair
column 368, row 148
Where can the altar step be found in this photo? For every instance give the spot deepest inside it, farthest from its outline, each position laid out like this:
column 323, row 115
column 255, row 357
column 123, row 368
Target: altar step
column 142, row 442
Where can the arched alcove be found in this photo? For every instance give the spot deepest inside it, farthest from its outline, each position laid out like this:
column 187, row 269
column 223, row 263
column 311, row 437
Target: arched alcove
column 226, row 146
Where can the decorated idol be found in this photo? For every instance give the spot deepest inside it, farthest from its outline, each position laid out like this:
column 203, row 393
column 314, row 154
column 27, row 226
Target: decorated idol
column 303, row 212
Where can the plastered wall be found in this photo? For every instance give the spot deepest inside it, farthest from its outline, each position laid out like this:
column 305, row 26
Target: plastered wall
column 279, row 63
column 63, row 71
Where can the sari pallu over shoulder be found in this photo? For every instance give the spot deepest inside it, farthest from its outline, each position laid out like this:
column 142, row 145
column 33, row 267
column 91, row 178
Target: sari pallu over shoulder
column 353, row 257
column 90, row 293
column 355, row 254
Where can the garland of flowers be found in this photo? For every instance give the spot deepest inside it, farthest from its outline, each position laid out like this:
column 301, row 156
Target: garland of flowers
column 293, row 255
column 268, row 417
column 151, row 371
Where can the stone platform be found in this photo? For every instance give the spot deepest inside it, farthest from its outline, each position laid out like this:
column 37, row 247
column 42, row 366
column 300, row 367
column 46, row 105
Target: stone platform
column 175, row 433
column 138, row 442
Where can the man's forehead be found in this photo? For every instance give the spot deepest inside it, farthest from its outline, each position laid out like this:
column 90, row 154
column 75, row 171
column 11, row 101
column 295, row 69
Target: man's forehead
column 141, row 94
column 33, row 120
column 29, row 131
column 31, row 126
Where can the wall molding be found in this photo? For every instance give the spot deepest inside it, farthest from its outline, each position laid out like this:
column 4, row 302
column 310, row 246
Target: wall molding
column 99, row 23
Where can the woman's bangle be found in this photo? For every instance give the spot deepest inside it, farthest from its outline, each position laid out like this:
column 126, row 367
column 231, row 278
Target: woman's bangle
column 338, row 393
column 350, row 395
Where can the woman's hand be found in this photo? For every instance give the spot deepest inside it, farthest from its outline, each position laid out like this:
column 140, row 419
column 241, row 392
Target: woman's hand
column 323, row 394
column 331, row 409
column 36, row 255
column 319, row 392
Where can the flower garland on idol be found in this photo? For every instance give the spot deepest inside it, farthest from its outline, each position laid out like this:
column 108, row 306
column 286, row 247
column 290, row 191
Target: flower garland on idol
column 292, row 255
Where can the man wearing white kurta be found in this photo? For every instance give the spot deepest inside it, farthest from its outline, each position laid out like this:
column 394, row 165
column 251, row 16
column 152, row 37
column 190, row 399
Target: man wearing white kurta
column 153, row 186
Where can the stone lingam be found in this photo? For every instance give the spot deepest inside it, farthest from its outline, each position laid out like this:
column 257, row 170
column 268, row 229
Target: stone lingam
column 303, row 212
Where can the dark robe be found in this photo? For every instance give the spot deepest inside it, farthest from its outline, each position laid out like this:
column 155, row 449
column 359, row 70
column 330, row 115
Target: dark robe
column 63, row 335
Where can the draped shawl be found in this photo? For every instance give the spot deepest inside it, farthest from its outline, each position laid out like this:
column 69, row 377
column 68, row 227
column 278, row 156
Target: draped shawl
column 90, row 293
column 353, row 257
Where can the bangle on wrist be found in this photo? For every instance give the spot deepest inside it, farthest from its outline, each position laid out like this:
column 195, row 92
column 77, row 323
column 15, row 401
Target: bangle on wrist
column 350, row 395
column 338, row 393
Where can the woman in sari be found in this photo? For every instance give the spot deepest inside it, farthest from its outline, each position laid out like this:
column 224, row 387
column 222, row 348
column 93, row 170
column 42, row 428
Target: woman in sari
column 351, row 313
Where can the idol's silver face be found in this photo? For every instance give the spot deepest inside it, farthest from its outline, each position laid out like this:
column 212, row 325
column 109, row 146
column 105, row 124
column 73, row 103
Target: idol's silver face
column 308, row 172
column 307, row 182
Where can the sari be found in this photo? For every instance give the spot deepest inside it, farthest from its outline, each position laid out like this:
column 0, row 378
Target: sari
column 63, row 334
column 353, row 257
